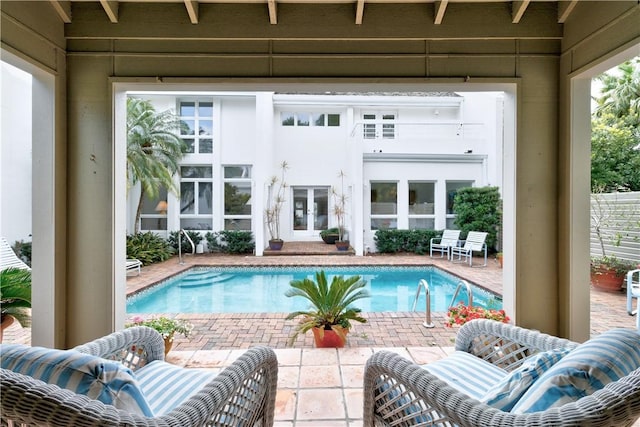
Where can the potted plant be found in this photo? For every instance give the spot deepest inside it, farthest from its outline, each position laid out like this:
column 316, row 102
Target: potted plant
column 499, row 258
column 331, row 313
column 15, row 297
column 340, row 211
column 330, row 235
column 275, row 202
column 460, row 314
column 167, row 327
column 610, row 227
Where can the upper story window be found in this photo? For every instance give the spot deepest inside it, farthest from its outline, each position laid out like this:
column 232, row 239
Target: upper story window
column 237, row 197
column 196, row 125
column 379, row 125
column 307, row 119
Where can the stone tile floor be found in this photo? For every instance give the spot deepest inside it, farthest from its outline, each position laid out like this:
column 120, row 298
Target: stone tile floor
column 323, row 387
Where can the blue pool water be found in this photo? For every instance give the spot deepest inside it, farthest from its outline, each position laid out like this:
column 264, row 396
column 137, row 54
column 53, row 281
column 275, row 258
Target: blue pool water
column 261, row 290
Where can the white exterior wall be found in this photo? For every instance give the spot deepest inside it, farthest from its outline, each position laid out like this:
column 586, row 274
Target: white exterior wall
column 436, row 139
column 15, row 156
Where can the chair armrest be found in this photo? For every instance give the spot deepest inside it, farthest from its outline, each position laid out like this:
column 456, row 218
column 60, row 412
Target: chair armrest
column 244, row 393
column 398, row 392
column 133, row 347
column 503, row 344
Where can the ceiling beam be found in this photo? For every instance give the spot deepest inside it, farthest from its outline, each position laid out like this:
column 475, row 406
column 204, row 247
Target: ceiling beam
column 192, row 9
column 518, row 8
column 359, row 11
column 111, row 8
column 63, row 8
column 564, row 9
column 439, row 7
column 273, row 12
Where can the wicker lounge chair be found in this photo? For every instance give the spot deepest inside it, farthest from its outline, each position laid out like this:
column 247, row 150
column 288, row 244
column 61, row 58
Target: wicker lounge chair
column 242, row 394
column 400, row 393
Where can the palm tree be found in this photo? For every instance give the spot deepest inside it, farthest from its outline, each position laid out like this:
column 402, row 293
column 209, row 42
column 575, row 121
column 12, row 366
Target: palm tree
column 154, row 150
column 620, row 94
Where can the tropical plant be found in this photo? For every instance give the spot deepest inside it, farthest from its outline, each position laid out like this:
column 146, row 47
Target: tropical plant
column 15, row 294
column 230, row 241
column 330, row 304
column 460, row 314
column 394, row 241
column 178, row 240
column 620, row 93
column 167, row 327
column 148, row 247
column 154, row 150
column 275, row 202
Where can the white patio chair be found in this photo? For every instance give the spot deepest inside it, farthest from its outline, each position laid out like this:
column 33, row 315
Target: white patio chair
column 444, row 244
column 475, row 243
column 633, row 291
column 8, row 258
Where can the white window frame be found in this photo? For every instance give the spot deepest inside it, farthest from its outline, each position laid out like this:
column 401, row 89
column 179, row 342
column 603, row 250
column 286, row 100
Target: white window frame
column 390, row 217
column 382, row 126
column 196, row 119
column 244, row 180
column 410, row 215
column 196, row 207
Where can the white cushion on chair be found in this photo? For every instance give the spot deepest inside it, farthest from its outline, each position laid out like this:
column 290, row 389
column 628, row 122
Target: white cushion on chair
column 586, row 369
column 167, row 386
column 105, row 380
column 467, row 373
column 506, row 393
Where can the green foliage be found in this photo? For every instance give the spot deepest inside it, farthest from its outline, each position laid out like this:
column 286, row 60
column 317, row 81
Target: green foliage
column 615, row 163
column 619, row 266
column 331, row 305
column 184, row 242
column 328, row 231
column 231, row 241
column 621, row 93
column 166, row 326
column 394, row 241
column 478, row 209
column 15, row 294
column 23, row 250
column 148, row 248
column 235, row 203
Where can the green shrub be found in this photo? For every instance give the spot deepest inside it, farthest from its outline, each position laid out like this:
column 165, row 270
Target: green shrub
column 23, row 250
column 231, row 241
column 415, row 241
column 148, row 248
column 186, row 245
column 478, row 209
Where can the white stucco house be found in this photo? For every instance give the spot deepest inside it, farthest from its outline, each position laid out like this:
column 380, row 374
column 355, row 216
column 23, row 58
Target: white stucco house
column 403, row 156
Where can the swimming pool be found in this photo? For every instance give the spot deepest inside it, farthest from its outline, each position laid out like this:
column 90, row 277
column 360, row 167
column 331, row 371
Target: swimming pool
column 261, row 290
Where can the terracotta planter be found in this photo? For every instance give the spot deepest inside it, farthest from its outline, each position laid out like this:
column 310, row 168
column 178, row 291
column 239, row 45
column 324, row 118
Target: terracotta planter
column 168, row 343
column 6, row 322
column 328, row 338
column 606, row 279
column 499, row 258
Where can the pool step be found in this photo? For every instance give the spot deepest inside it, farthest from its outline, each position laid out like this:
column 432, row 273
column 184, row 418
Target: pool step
column 205, row 281
column 199, row 275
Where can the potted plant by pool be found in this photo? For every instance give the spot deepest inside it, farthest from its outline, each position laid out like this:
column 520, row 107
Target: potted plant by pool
column 15, row 297
column 275, row 202
column 330, row 235
column 167, row 327
column 331, row 311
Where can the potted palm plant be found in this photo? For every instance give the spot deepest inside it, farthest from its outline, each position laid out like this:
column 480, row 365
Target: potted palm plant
column 15, row 297
column 275, row 203
column 331, row 313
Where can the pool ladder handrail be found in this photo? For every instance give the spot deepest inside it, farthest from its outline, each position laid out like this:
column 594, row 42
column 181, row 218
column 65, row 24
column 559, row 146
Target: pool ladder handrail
column 193, row 247
column 427, row 312
column 466, row 284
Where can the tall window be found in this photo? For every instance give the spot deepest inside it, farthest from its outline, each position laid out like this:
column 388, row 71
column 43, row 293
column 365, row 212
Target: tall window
column 196, row 194
column 421, row 205
column 384, row 205
column 154, row 212
column 452, row 188
column 378, row 125
column 237, row 197
column 196, row 126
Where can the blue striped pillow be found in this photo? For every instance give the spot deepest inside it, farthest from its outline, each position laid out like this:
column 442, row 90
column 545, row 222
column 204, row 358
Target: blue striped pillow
column 167, row 386
column 586, row 369
column 506, row 393
column 104, row 380
column 467, row 373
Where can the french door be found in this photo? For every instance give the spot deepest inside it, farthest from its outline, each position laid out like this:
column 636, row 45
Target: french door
column 310, row 211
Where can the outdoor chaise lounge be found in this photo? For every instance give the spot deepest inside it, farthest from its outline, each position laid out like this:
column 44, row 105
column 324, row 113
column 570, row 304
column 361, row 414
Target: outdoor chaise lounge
column 475, row 242
column 444, row 244
column 122, row 379
column 503, row 375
